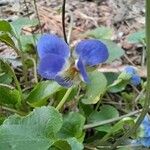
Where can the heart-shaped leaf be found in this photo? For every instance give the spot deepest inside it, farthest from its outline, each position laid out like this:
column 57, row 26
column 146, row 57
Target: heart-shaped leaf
column 5, row 78
column 5, row 38
column 137, row 37
column 42, row 91
column 33, row 132
column 95, row 89
column 106, row 112
column 22, row 22
column 28, row 42
column 5, row 26
column 67, row 144
column 101, row 33
column 9, row 95
column 115, row 52
column 72, row 126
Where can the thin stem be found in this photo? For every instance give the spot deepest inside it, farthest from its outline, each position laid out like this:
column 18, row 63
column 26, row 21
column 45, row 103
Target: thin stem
column 24, row 67
column 70, row 27
column 143, row 56
column 89, row 147
column 147, row 100
column 63, row 20
column 98, row 104
column 20, row 53
column 25, row 2
column 34, row 68
column 105, row 138
column 100, row 123
column 64, row 98
column 28, row 14
column 13, row 75
column 37, row 14
column 13, row 110
column 139, row 96
column 120, row 146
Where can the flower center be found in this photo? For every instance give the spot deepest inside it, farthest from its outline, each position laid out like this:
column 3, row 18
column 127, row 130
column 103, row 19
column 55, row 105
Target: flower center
column 73, row 71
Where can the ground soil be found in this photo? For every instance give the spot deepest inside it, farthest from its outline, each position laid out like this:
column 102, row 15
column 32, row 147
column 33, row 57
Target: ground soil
column 123, row 16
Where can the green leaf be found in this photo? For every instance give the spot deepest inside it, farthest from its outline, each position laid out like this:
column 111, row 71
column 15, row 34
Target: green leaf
column 72, row 126
column 115, row 52
column 34, row 132
column 60, row 94
column 5, row 26
column 9, row 95
column 85, row 110
column 68, row 144
column 2, row 118
column 106, row 112
column 75, row 145
column 42, row 91
column 137, row 37
column 118, row 86
column 101, row 33
column 96, row 88
column 22, row 22
column 121, row 83
column 5, row 78
column 122, row 124
column 130, row 148
column 28, row 42
column 61, row 145
column 111, row 77
column 5, row 38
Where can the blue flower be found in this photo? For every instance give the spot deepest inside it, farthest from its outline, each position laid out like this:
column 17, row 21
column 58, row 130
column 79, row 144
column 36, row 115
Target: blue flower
column 144, row 139
column 130, row 70
column 56, row 63
column 135, row 78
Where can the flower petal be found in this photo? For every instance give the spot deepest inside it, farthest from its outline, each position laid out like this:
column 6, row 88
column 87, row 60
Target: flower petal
column 130, row 70
column 64, row 81
column 145, row 141
column 51, row 65
column 135, row 80
column 92, row 52
column 52, row 44
column 80, row 66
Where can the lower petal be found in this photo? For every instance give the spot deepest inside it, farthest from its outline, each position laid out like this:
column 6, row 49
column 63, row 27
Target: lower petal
column 80, row 66
column 135, row 80
column 50, row 65
column 64, row 81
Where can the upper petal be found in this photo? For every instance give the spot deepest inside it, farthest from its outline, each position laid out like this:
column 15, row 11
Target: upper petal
column 50, row 65
column 52, row 44
column 92, row 52
column 80, row 66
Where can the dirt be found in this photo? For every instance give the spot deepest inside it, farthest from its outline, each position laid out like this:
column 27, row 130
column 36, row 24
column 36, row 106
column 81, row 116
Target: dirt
column 123, row 16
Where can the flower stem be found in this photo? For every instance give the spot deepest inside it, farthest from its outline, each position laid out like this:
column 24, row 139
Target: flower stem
column 34, row 69
column 37, row 14
column 100, row 123
column 64, row 98
column 13, row 110
column 24, row 67
column 11, row 70
column 147, row 100
column 63, row 20
column 70, row 27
